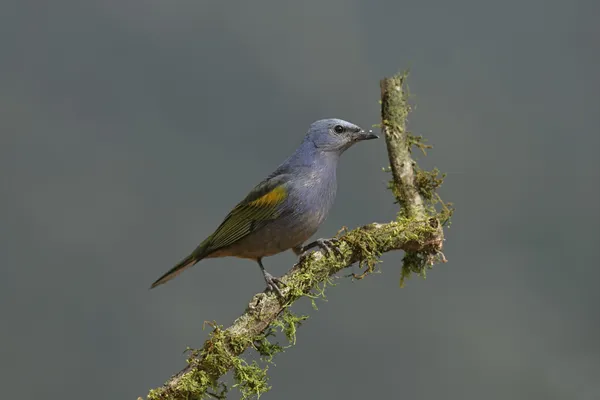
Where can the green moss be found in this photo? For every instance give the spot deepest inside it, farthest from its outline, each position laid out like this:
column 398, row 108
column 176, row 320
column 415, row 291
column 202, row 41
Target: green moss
column 219, row 355
column 265, row 348
column 412, row 262
column 238, row 343
column 366, row 245
column 427, row 182
column 197, row 384
column 311, row 282
column 251, row 379
column 396, row 107
column 288, row 322
column 418, row 142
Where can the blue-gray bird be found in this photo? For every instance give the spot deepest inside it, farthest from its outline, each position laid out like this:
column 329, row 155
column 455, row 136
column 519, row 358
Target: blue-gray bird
column 285, row 209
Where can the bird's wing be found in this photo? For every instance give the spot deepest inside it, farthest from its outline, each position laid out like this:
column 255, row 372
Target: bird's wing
column 261, row 205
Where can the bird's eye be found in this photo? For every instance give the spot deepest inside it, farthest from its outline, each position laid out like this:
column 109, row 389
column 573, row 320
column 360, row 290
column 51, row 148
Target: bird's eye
column 338, row 129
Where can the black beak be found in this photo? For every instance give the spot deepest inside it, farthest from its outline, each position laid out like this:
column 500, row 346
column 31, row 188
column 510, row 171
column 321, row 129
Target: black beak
column 362, row 135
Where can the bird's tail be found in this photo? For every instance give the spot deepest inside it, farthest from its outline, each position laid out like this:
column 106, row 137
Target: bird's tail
column 187, row 262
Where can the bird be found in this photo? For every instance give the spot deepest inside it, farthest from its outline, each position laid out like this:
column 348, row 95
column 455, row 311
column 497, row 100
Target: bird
column 285, row 209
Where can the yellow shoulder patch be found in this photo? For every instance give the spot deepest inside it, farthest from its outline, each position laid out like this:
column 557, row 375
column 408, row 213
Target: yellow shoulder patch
column 272, row 198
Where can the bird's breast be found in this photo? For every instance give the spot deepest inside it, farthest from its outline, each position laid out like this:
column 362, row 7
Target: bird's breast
column 311, row 201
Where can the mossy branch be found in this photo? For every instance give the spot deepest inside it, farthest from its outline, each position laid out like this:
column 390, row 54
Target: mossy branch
column 220, row 352
column 394, row 112
column 417, row 230
column 414, row 188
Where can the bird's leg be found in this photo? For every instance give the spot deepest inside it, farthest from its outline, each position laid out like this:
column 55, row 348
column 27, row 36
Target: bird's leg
column 272, row 281
column 326, row 245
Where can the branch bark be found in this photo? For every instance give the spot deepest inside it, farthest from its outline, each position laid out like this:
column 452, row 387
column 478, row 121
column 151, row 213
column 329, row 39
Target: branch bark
column 415, row 232
column 394, row 112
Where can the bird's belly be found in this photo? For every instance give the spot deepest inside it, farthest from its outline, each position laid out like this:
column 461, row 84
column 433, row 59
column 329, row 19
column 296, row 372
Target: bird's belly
column 273, row 238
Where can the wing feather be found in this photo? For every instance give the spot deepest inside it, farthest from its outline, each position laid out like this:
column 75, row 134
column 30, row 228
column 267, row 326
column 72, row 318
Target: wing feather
column 260, row 206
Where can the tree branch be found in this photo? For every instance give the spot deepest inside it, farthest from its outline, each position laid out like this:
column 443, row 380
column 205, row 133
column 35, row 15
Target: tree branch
column 417, row 231
column 394, row 112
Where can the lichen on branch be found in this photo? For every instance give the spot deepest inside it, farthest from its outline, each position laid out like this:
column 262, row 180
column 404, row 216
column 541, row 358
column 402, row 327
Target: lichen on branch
column 394, row 112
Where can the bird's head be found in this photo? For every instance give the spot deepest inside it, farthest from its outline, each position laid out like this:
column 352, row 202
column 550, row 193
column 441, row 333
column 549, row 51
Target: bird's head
column 336, row 135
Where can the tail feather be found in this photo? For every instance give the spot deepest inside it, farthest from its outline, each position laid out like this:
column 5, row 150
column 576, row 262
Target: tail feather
column 176, row 270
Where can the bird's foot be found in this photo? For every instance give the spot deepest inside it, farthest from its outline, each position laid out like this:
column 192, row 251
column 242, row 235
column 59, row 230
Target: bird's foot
column 327, row 246
column 273, row 284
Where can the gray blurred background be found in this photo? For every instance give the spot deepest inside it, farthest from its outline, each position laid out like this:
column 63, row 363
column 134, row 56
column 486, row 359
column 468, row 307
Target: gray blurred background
column 128, row 129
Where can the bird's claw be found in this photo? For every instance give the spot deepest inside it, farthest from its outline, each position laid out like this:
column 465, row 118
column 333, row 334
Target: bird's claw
column 272, row 284
column 327, row 246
